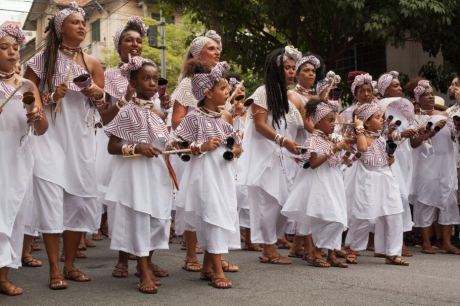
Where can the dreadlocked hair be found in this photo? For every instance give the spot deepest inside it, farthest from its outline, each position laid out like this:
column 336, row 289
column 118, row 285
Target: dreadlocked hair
column 275, row 86
column 50, row 54
column 311, row 106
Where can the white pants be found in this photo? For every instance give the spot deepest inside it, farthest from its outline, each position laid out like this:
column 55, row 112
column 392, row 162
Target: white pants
column 217, row 240
column 267, row 223
column 388, row 238
column 425, row 215
column 358, row 234
column 56, row 211
column 138, row 233
column 182, row 225
column 326, row 234
column 245, row 220
column 11, row 247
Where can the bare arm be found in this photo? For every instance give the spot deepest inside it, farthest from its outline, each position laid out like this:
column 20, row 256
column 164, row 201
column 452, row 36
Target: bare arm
column 178, row 113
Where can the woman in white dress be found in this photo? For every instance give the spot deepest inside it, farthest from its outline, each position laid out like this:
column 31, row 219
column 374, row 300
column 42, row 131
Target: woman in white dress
column 317, row 199
column 208, row 189
column 207, row 50
column 390, row 89
column 17, row 156
column 65, row 185
column 139, row 188
column 374, row 194
column 434, row 184
column 269, row 142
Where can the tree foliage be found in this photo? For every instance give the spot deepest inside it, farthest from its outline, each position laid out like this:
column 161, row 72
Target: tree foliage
column 252, row 28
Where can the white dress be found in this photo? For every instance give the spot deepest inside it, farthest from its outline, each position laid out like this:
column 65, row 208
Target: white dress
column 140, row 188
column 271, row 167
column 207, row 192
column 65, row 158
column 318, row 197
column 375, row 191
column 434, row 181
column 16, row 162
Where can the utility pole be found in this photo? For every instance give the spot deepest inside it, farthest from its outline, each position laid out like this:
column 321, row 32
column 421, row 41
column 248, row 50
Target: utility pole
column 163, row 46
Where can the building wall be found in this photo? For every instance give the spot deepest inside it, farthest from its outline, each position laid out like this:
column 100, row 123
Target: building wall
column 409, row 59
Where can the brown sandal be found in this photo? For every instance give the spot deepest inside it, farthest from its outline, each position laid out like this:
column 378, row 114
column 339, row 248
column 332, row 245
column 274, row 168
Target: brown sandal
column 57, row 283
column 296, row 254
column 120, row 271
column 277, row 260
column 158, row 272
column 207, row 276
column 351, row 259
column 221, row 283
column 8, row 288
column 76, row 275
column 320, row 263
column 29, row 261
column 227, row 266
column 147, row 289
column 252, row 248
column 337, row 263
column 192, row 266
column 396, row 260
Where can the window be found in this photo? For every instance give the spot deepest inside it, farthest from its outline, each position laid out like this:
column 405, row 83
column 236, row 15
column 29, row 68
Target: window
column 96, row 31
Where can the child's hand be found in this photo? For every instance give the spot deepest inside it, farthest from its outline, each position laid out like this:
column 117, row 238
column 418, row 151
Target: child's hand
column 59, row 92
column 237, row 151
column 147, row 150
column 408, row 133
column 212, row 144
column 391, row 159
column 357, row 123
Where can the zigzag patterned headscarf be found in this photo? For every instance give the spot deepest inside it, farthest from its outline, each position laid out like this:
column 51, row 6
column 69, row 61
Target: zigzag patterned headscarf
column 203, row 82
column 63, row 14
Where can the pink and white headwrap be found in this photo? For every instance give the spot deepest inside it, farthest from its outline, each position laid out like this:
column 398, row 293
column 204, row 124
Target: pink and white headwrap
column 360, row 80
column 365, row 111
column 10, row 30
column 134, row 22
column 135, row 63
column 331, row 79
column 385, row 80
column 421, row 88
column 199, row 42
column 311, row 59
column 63, row 14
column 322, row 109
column 203, row 82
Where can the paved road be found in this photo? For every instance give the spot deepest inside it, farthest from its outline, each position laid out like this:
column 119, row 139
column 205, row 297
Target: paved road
column 430, row 280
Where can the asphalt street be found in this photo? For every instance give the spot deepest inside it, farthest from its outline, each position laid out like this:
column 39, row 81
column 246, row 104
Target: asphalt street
column 429, row 280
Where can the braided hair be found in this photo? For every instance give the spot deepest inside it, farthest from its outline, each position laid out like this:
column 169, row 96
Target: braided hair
column 275, row 86
column 50, row 55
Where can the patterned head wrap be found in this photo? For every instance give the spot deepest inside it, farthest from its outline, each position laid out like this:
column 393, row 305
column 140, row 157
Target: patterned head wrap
column 134, row 22
column 365, row 111
column 322, row 110
column 203, row 82
column 63, row 14
column 134, row 64
column 233, row 83
column 421, row 88
column 331, row 79
column 385, row 81
column 311, row 59
column 289, row 53
column 10, row 30
column 199, row 42
column 360, row 80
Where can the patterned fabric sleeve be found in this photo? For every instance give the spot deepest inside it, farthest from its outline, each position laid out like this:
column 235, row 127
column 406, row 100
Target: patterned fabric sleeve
column 37, row 63
column 183, row 94
column 259, row 97
column 188, row 128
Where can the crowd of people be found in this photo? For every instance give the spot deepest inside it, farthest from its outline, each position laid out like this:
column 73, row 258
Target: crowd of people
column 83, row 147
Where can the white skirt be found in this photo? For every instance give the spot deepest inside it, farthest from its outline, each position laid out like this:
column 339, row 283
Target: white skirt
column 374, row 193
column 317, row 193
column 138, row 233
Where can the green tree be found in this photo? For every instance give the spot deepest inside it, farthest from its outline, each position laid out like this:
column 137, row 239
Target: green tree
column 252, row 28
column 177, row 38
